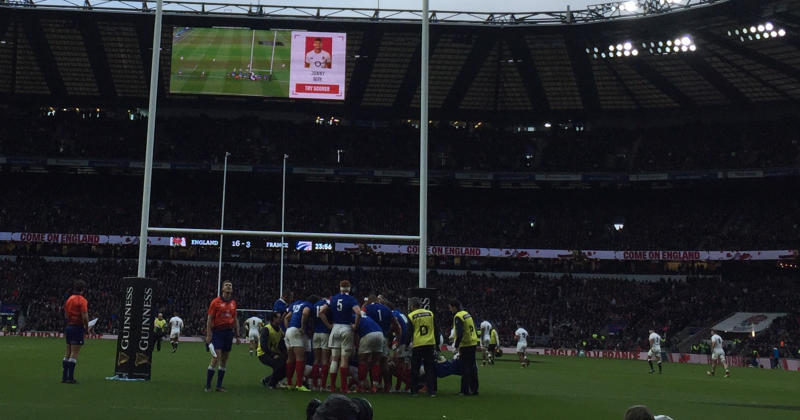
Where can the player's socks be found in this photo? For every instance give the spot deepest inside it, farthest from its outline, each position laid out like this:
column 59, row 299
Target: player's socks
column 314, row 375
column 343, row 371
column 289, row 373
column 333, row 381
column 71, row 369
column 375, row 374
column 209, row 376
column 650, row 362
column 220, row 376
column 64, row 370
column 362, row 375
column 324, row 374
column 659, row 366
column 300, row 368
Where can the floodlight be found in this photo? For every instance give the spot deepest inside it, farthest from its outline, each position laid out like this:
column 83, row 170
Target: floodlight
column 629, row 6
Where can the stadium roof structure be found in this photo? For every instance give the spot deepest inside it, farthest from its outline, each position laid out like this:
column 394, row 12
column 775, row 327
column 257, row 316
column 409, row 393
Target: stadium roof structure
column 483, row 66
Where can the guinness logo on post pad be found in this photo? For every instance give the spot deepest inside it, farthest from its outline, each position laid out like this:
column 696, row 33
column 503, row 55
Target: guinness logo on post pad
column 122, row 358
column 142, row 359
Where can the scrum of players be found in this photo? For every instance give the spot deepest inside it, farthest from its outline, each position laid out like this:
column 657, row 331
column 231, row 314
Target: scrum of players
column 337, row 344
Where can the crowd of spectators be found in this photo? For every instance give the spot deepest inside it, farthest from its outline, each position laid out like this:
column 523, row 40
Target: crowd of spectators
column 559, row 312
column 783, row 335
column 738, row 215
column 251, row 140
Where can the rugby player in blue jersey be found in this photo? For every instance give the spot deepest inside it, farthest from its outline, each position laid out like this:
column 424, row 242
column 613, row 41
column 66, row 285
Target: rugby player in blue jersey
column 345, row 316
column 297, row 321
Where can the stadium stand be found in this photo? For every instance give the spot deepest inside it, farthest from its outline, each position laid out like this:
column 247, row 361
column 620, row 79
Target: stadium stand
column 250, row 140
column 696, row 216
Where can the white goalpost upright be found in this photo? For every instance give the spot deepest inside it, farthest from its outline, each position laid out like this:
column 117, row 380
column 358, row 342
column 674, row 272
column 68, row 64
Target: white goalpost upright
column 252, row 46
column 272, row 57
column 151, row 126
column 421, row 237
column 222, row 221
column 423, row 149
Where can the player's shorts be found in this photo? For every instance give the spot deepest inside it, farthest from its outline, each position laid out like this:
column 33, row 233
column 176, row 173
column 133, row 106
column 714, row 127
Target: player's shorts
column 174, row 333
column 521, row 347
column 253, row 336
column 654, row 352
column 74, row 335
column 295, row 338
column 485, row 340
column 341, row 337
column 222, row 339
column 372, row 343
column 321, row 341
column 718, row 355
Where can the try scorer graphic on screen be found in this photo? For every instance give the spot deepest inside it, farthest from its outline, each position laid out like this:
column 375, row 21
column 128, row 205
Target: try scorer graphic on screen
column 318, row 65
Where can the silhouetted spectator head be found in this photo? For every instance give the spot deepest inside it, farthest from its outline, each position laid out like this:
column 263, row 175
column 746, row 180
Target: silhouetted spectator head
column 639, row 412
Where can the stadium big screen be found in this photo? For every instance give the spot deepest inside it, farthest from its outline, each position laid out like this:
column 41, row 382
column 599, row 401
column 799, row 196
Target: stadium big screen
column 273, row 63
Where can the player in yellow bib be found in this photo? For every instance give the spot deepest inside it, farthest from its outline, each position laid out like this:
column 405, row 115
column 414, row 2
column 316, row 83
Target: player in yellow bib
column 271, row 351
column 159, row 327
column 424, row 343
column 466, row 344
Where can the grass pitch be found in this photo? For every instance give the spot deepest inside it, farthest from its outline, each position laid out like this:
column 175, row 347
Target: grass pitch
column 551, row 388
column 204, row 58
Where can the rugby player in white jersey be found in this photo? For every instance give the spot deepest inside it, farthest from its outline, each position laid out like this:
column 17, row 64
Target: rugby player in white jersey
column 175, row 327
column 521, row 335
column 717, row 355
column 655, row 350
column 486, row 328
column 253, row 325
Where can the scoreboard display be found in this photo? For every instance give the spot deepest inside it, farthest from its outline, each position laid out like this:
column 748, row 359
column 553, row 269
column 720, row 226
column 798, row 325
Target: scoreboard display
column 254, row 243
